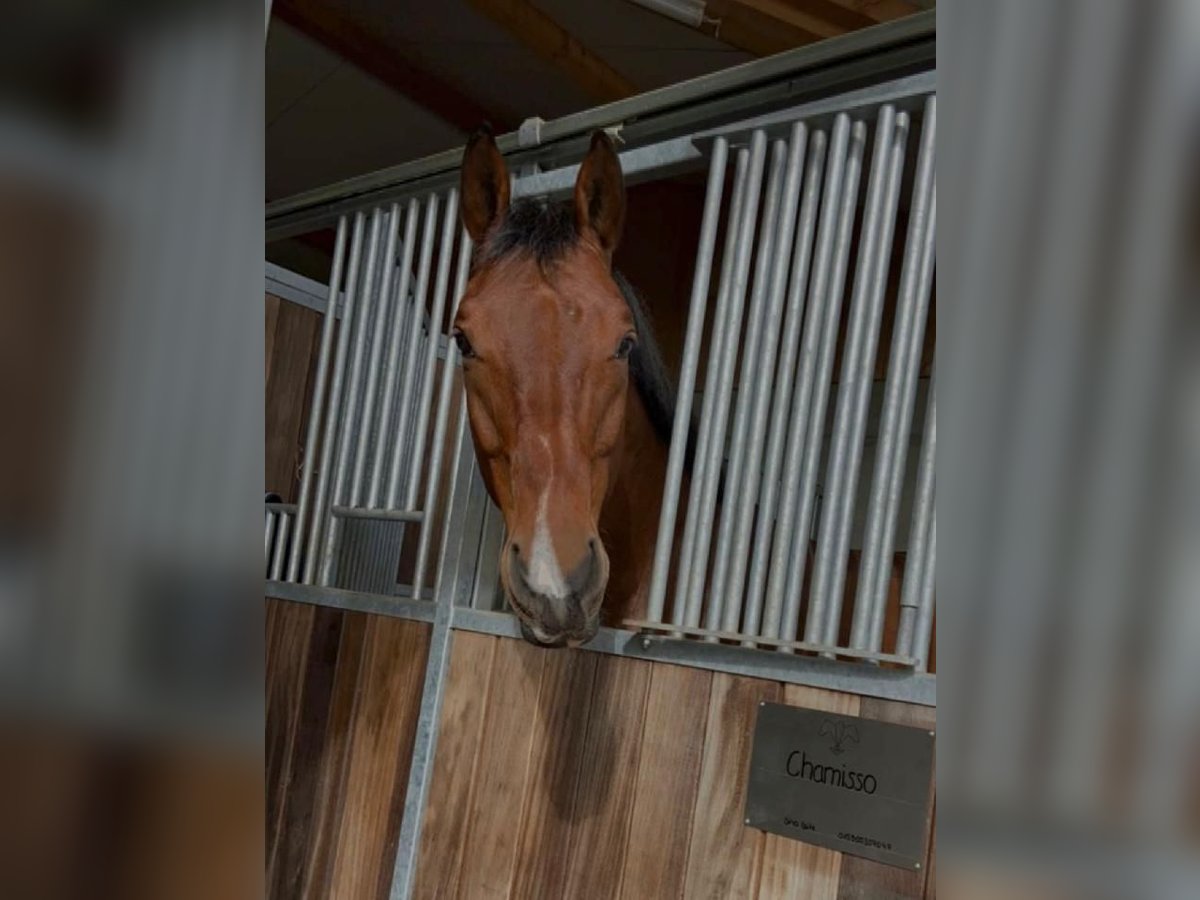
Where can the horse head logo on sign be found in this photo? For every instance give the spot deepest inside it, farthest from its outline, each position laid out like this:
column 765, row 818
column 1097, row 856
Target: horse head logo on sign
column 840, row 732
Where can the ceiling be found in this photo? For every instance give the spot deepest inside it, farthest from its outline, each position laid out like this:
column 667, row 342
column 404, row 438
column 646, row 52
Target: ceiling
column 361, row 85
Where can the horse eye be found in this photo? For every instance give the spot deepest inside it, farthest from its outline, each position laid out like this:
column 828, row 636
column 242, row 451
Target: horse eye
column 464, row 346
column 625, row 347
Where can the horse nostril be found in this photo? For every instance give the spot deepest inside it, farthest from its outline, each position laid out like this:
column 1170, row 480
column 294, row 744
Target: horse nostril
column 516, row 549
column 592, row 546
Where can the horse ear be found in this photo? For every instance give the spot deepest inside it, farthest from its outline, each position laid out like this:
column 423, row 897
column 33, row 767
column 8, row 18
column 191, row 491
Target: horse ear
column 484, row 184
column 600, row 194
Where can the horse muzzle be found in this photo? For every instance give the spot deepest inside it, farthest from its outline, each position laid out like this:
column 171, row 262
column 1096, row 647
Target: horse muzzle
column 534, row 635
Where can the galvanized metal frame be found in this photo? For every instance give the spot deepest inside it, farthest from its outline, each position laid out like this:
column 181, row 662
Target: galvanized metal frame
column 816, row 156
column 768, row 619
column 821, row 69
column 298, row 289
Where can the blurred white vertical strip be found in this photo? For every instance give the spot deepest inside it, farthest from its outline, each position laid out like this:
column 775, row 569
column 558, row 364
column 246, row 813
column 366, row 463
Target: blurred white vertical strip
column 980, row 274
column 1068, row 682
column 154, row 562
column 1157, row 306
column 1042, row 450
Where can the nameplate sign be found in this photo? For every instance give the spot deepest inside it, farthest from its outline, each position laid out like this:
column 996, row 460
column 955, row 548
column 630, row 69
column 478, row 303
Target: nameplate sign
column 856, row 785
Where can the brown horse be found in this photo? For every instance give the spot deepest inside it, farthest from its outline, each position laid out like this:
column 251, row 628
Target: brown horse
column 569, row 401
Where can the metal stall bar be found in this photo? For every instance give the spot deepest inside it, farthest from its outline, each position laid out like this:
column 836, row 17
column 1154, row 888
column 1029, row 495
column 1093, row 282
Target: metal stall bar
column 789, row 345
column 899, row 464
column 437, row 448
column 725, row 615
column 725, row 360
column 402, row 327
column 684, row 611
column 313, row 436
column 382, row 309
column 854, row 389
column 446, row 250
column 353, row 390
column 378, row 515
column 780, row 265
column 487, row 572
column 281, row 545
column 269, row 537
column 911, row 597
column 681, row 424
column 333, row 414
column 790, row 547
column 460, row 538
column 899, row 397
column 410, row 352
column 924, row 629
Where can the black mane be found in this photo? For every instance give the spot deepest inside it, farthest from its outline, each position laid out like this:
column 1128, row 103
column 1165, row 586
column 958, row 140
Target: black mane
column 546, row 231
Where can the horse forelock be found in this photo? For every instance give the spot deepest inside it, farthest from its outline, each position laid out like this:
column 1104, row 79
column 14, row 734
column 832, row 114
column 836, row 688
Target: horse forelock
column 546, row 231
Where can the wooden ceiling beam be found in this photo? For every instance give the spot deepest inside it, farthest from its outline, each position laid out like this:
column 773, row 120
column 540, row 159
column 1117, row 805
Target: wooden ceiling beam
column 787, row 14
column 553, row 43
column 877, row 10
column 324, row 23
column 766, row 27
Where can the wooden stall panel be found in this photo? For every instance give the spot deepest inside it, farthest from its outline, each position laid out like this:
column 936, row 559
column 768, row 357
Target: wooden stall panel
column 502, row 770
column 380, row 748
column 581, row 775
column 668, row 777
column 320, row 836
column 725, row 855
column 343, row 691
column 287, row 866
column 604, row 795
column 289, row 627
column 559, row 730
column 464, row 705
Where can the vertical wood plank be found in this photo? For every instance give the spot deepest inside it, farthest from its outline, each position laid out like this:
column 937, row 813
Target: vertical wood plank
column 724, row 854
column 272, row 320
column 604, row 796
column 285, row 875
column 287, row 651
column 502, row 771
column 274, row 609
column 379, row 754
column 556, row 750
column 793, row 870
column 296, row 337
column 864, row 879
column 459, row 740
column 332, row 765
column 668, row 777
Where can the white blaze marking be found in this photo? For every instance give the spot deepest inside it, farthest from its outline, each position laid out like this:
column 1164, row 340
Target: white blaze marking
column 544, row 575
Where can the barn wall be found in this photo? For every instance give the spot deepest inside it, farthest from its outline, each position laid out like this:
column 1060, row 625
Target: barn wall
column 576, row 774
